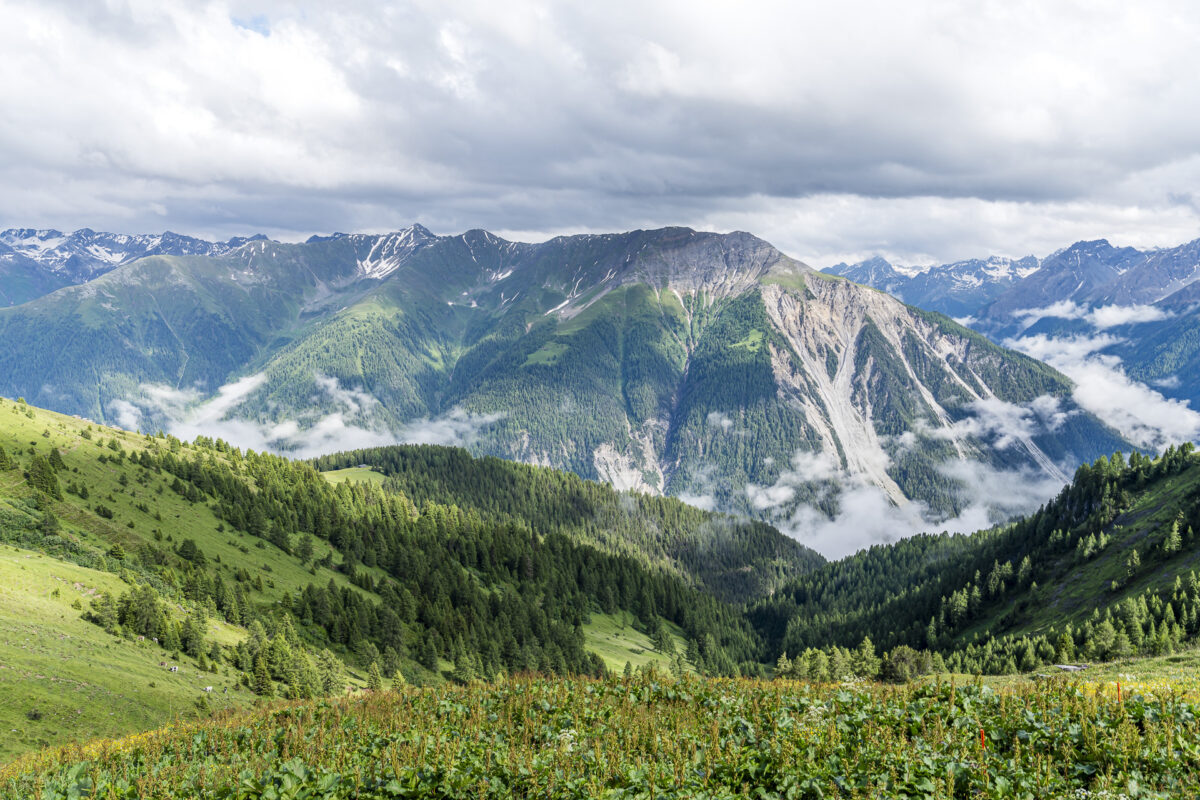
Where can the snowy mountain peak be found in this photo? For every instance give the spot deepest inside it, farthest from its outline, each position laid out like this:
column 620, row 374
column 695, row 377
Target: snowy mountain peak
column 389, row 251
column 85, row 254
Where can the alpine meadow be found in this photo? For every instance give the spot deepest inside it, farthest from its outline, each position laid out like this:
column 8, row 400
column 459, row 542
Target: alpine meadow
column 669, row 401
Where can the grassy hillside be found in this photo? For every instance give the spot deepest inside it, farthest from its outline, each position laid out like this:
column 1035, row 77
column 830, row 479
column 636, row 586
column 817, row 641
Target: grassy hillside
column 112, row 539
column 66, row 679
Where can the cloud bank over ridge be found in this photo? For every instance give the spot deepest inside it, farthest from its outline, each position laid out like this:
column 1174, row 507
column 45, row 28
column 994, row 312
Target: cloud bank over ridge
column 1012, row 129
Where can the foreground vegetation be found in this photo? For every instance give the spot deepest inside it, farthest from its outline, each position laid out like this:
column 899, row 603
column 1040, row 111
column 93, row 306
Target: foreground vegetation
column 644, row 737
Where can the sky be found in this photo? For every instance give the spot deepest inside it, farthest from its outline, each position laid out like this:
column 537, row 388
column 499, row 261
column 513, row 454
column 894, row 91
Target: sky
column 922, row 131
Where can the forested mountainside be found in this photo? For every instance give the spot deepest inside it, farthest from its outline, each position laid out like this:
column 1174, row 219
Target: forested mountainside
column 671, row 361
column 272, row 579
column 1107, row 569
column 736, row 560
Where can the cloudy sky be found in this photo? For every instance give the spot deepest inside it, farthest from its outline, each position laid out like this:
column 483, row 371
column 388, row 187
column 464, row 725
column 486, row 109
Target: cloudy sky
column 921, row 130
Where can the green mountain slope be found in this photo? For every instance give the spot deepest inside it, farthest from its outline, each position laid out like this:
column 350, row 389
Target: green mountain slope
column 1108, row 569
column 693, row 364
column 732, row 559
column 125, row 554
column 262, row 576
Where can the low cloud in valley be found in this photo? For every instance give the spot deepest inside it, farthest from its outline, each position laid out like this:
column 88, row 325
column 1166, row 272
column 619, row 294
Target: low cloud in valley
column 350, row 426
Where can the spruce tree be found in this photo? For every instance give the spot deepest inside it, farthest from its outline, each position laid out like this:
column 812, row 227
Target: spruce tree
column 1174, row 541
column 333, row 679
column 262, row 680
column 374, row 677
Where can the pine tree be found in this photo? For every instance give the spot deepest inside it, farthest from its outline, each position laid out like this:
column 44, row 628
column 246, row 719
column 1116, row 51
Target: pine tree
column 6, row 463
column 783, row 666
column 333, row 679
column 1173, row 542
column 866, row 664
column 374, row 677
column 262, row 680
column 464, row 669
column 50, row 525
column 304, row 550
column 42, row 477
column 1065, row 650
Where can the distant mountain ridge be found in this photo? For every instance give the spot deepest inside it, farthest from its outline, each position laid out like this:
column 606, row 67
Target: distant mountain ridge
column 1091, row 273
column 702, row 365
column 957, row 289
column 1159, row 290
column 35, row 262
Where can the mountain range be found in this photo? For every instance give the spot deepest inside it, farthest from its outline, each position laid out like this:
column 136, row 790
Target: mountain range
column 34, row 262
column 1147, row 302
column 707, row 366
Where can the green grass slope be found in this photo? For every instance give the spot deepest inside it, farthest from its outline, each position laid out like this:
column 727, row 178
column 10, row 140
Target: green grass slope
column 65, row 679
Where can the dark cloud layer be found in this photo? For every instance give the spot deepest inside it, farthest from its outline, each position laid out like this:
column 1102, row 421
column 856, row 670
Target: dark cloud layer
column 927, row 130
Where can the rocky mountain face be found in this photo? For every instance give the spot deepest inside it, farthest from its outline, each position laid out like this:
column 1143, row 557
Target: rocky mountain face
column 1076, row 274
column 711, row 367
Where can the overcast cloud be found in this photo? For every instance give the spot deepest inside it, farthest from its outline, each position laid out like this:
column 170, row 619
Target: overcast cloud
column 925, row 131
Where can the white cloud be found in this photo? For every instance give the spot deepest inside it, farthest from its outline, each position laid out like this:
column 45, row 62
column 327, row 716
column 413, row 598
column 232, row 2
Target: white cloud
column 718, row 420
column 1143, row 415
column 991, row 419
column 807, row 469
column 1101, row 317
column 1063, row 309
column 223, row 116
column 186, row 414
column 1064, row 349
column 125, row 414
column 354, row 400
column 704, row 501
column 458, row 428
column 867, row 517
column 1114, row 316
